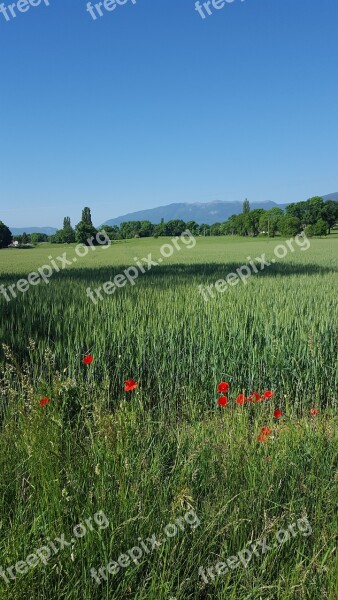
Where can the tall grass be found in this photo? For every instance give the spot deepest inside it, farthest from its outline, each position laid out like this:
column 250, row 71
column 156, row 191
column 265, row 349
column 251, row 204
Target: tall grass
column 144, row 458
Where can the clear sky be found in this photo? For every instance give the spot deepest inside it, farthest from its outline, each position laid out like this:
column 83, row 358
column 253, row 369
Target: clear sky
column 151, row 104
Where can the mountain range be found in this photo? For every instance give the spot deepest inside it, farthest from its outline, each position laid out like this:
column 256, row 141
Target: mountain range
column 208, row 212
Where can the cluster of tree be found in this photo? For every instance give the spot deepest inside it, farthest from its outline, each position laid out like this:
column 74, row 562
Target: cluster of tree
column 83, row 231
column 314, row 216
column 31, row 238
column 131, row 229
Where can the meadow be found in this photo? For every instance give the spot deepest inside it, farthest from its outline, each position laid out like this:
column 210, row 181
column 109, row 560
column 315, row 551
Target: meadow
column 148, row 456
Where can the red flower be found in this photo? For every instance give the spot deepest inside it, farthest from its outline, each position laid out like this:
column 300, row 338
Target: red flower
column 130, row 385
column 223, row 387
column 240, row 399
column 262, row 438
column 277, row 414
column 254, row 397
column 266, row 431
column 88, row 359
column 44, row 401
column 222, row 401
column 314, row 412
column 268, row 394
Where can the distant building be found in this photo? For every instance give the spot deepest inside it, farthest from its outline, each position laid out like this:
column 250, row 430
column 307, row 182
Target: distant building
column 13, row 245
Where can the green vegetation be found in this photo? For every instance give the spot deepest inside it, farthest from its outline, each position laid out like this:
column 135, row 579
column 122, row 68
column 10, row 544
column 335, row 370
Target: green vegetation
column 5, row 235
column 66, row 235
column 146, row 456
column 315, row 216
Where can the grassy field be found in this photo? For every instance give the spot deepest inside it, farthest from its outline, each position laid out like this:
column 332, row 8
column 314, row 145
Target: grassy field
column 148, row 457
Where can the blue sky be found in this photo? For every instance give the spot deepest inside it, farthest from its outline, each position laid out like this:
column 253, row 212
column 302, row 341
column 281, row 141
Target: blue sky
column 150, row 104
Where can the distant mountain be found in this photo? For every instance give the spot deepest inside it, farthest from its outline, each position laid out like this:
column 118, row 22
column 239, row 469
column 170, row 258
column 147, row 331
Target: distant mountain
column 21, row 230
column 209, row 213
column 331, row 197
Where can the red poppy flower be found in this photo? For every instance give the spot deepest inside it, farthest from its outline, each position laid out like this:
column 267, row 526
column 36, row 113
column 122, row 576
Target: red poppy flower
column 240, row 399
column 222, row 401
column 44, row 401
column 130, row 385
column 254, row 397
column 88, row 359
column 223, row 387
column 314, row 412
column 262, row 438
column 268, row 394
column 266, row 431
column 277, row 414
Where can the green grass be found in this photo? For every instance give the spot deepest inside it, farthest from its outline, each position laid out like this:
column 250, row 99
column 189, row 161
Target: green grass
column 145, row 457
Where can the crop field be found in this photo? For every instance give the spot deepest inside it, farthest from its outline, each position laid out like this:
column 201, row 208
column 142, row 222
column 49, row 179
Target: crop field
column 167, row 452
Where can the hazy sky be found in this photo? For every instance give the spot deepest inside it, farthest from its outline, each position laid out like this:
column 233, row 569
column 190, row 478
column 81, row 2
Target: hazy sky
column 151, row 104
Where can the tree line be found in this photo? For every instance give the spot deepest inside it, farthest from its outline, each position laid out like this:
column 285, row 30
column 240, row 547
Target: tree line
column 314, row 216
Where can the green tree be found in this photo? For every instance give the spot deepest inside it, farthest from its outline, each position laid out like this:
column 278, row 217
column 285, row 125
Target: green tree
column 296, row 209
column 86, row 216
column 25, row 238
column 309, row 232
column 113, row 232
column 237, row 225
column 34, row 238
column 193, row 227
column 5, row 235
column 85, row 230
column 251, row 221
column 204, row 229
column 216, row 229
column 330, row 213
column 130, row 229
column 146, row 229
column 313, row 210
column 269, row 221
column 38, row 237
column 57, row 238
column 159, row 229
column 246, row 206
column 174, row 227
column 67, row 232
column 290, row 226
column 307, row 212
column 223, row 228
column 320, row 227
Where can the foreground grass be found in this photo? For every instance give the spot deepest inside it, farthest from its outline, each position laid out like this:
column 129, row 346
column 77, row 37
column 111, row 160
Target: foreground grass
column 144, row 469
column 145, row 458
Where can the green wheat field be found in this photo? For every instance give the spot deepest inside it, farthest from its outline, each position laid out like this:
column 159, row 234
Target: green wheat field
column 146, row 457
